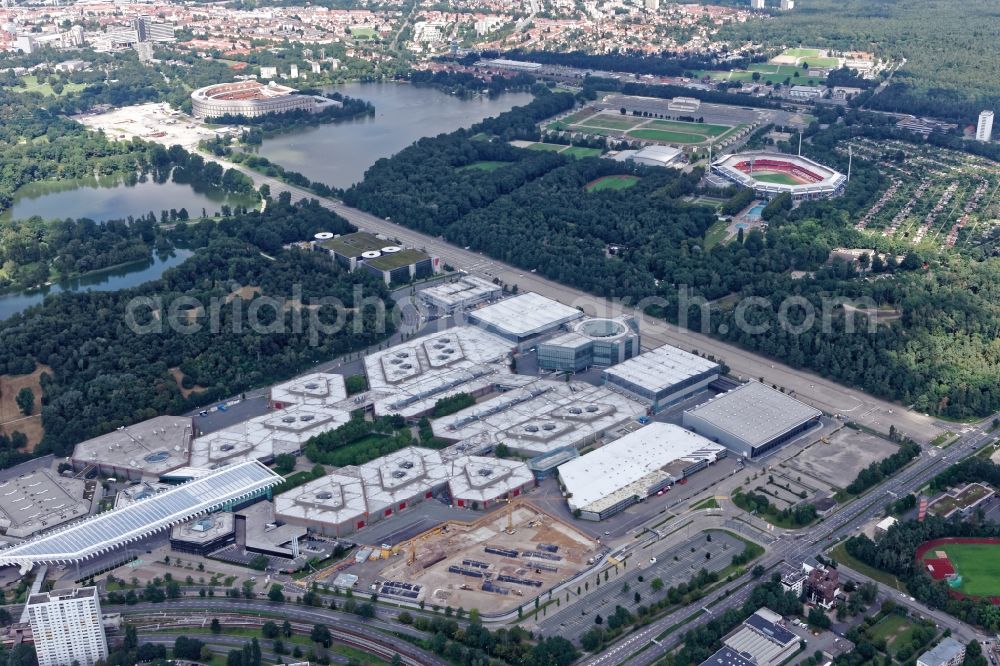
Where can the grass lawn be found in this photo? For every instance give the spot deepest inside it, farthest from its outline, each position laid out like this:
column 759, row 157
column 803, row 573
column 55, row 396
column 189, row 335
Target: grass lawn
column 977, row 564
column 484, row 165
column 840, row 554
column 550, row 147
column 822, row 62
column 779, row 178
column 577, row 116
column 32, row 85
column 707, row 503
column 801, row 53
column 693, row 128
column 612, row 122
column 895, row 629
column 716, row 234
column 364, row 33
column 611, row 183
column 581, row 151
column 666, row 136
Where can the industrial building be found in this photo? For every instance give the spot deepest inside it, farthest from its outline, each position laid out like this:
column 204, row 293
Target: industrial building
column 541, row 416
column 204, row 535
column 524, row 319
column 949, row 652
column 403, row 478
column 478, row 482
column 751, row 419
column 392, row 263
column 66, row 627
column 39, row 500
column 626, row 471
column 590, row 342
column 334, row 505
column 661, row 377
column 222, row 489
column 252, row 99
column 726, row 656
column 409, row 378
column 318, row 389
column 146, row 449
column 764, row 638
column 460, row 294
column 266, row 436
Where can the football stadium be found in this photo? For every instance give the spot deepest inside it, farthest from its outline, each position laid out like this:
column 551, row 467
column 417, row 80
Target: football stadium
column 771, row 174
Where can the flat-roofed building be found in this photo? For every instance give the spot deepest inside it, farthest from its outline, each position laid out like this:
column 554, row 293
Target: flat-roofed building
column 727, row 656
column 266, row 436
column 478, row 482
column 317, row 389
column 403, row 478
column 949, row 652
column 39, row 500
column 146, row 449
column 525, row 318
column 751, row 419
column 460, row 294
column 663, row 376
column 365, row 251
column 204, row 535
column 409, row 378
column 684, row 104
column 765, row 638
column 612, row 478
column 66, row 627
column 541, row 416
column 334, row 505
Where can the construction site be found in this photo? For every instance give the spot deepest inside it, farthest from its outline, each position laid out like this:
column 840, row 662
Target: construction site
column 497, row 562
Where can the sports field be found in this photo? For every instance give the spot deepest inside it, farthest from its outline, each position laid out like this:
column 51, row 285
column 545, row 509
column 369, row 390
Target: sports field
column 548, row 147
column 801, row 53
column 977, row 563
column 638, row 127
column 611, row 183
column 777, row 178
column 364, row 33
column 667, row 136
column 692, row 128
column 571, row 151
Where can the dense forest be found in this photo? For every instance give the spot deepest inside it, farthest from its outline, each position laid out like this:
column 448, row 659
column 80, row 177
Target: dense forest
column 103, row 375
column 950, row 47
column 535, row 214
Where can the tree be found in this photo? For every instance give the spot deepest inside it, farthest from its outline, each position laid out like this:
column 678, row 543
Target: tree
column 216, row 626
column 817, row 618
column 25, row 400
column 270, row 630
column 259, row 561
column 286, row 629
column 284, row 463
column 320, row 634
column 276, row 593
column 656, row 584
column 758, row 571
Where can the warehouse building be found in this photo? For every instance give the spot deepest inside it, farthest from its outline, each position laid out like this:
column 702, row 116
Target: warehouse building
column 409, row 378
column 39, row 500
column 628, row 470
column 751, row 419
column 146, row 449
column 402, row 479
column 361, row 250
column 266, row 436
column 661, row 377
column 524, row 319
column 541, row 416
column 590, row 342
column 658, row 156
column 333, row 505
column 318, row 389
column 765, row 638
column 460, row 294
column 204, row 535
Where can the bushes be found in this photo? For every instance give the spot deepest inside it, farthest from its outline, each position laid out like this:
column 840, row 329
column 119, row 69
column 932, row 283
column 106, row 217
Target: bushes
column 452, row 404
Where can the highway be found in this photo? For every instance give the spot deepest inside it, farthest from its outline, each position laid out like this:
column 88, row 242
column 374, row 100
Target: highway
column 796, row 547
column 824, row 394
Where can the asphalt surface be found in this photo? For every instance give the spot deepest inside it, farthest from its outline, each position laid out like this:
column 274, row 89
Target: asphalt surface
column 796, row 547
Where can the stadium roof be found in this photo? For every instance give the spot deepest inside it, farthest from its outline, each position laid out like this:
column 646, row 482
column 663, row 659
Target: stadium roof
column 525, row 315
column 754, row 413
column 661, row 368
column 107, row 531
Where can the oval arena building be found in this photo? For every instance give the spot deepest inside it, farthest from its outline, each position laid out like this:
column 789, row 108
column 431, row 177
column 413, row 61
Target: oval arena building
column 247, row 98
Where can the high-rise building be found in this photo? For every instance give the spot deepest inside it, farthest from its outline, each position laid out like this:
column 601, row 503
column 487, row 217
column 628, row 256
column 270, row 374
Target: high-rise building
column 67, row 627
column 652, row 5
column 145, row 51
column 293, row 71
column 756, row 4
column 147, row 31
column 984, row 130
column 787, row 5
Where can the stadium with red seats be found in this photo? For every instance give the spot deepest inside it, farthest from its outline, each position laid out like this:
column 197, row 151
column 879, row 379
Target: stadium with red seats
column 772, row 174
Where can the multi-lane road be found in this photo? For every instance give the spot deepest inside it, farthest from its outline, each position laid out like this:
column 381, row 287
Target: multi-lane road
column 796, row 547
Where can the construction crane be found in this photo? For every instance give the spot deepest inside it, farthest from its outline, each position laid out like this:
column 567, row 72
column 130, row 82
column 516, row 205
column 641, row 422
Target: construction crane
column 510, row 516
column 412, row 557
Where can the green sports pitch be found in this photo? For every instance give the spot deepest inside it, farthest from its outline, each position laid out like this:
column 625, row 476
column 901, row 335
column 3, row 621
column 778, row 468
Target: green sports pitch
column 801, row 53
column 977, row 563
column 777, row 178
column 611, row 183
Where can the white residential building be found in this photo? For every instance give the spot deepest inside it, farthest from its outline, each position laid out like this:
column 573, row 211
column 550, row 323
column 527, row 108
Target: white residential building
column 984, row 130
column 67, row 627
